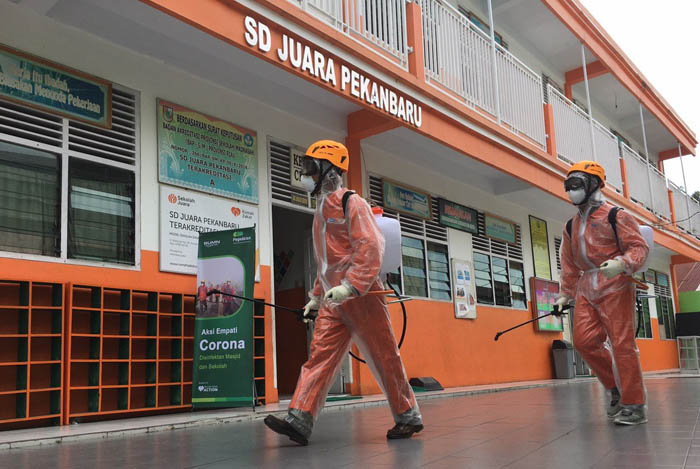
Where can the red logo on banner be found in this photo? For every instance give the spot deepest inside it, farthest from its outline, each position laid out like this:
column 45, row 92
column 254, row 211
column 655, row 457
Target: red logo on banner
column 236, row 211
column 172, row 198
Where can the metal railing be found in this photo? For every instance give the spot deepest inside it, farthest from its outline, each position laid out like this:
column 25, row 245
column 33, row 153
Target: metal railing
column 658, row 186
column 457, row 55
column 571, row 128
column 694, row 222
column 639, row 188
column 573, row 136
column 379, row 23
column 521, row 97
column 680, row 206
column 608, row 154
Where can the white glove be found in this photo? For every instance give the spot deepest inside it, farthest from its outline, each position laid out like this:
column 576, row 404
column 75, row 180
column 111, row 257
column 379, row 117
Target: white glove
column 338, row 294
column 561, row 303
column 313, row 304
column 612, row 267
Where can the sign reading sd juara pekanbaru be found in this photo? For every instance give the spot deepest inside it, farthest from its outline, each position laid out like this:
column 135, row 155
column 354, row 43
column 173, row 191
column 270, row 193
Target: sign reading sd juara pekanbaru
column 223, row 336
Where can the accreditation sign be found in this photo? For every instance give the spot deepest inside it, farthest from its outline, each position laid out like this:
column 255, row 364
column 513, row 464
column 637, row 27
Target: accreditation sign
column 223, row 335
column 200, row 152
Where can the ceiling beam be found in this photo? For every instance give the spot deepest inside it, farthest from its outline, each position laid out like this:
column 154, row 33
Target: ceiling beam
column 593, row 70
column 672, row 153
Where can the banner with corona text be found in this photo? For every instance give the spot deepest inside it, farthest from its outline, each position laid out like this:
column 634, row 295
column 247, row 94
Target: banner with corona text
column 223, row 335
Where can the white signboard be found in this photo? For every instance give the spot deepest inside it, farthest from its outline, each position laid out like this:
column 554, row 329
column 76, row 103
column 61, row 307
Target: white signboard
column 295, row 167
column 184, row 214
column 464, row 289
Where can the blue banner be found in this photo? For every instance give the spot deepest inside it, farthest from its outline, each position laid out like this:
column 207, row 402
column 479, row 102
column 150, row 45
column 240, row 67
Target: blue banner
column 39, row 83
column 408, row 201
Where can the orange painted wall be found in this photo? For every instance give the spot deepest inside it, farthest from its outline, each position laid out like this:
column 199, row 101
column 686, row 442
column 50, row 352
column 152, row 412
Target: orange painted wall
column 657, row 354
column 460, row 352
column 148, row 278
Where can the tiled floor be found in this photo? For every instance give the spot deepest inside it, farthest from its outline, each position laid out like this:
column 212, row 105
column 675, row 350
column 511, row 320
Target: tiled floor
column 553, row 427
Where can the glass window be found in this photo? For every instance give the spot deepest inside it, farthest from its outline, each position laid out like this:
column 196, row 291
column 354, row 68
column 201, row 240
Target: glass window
column 413, row 260
column 645, row 328
column 667, row 323
column 517, row 285
column 439, row 271
column 482, row 272
column 30, row 201
column 101, row 216
column 501, row 286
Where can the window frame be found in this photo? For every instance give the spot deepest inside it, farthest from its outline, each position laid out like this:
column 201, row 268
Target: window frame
column 507, row 257
column 64, row 154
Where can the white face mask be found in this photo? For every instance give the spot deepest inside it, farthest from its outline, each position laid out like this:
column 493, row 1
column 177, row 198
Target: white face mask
column 577, row 196
column 308, row 183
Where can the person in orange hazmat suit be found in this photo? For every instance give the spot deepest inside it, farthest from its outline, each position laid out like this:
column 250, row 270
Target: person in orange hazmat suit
column 597, row 264
column 348, row 248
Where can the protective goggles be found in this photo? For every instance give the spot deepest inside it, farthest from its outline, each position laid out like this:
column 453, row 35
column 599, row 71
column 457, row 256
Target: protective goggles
column 574, row 183
column 310, row 166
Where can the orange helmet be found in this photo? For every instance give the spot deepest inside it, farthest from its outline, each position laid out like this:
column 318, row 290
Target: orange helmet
column 589, row 167
column 331, row 151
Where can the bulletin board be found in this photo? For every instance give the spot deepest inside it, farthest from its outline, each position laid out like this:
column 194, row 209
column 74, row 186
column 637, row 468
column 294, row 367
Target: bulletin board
column 463, row 289
column 544, row 295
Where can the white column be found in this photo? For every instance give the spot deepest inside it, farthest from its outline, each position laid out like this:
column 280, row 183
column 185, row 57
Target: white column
column 646, row 152
column 588, row 101
column 494, row 66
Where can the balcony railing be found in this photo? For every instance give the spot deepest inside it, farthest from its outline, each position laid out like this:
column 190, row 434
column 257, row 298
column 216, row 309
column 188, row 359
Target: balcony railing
column 521, row 98
column 378, row 24
column 573, row 136
column 458, row 56
column 458, row 60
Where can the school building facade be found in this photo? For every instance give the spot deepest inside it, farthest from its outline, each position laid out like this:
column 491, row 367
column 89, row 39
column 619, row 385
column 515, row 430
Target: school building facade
column 477, row 127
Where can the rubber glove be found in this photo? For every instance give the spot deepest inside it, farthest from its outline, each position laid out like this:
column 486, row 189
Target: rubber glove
column 612, row 267
column 560, row 304
column 310, row 308
column 338, row 294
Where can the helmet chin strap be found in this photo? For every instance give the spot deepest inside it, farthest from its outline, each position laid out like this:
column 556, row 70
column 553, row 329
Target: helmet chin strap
column 321, row 178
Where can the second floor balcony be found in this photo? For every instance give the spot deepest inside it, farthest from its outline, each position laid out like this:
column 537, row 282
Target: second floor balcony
column 530, row 80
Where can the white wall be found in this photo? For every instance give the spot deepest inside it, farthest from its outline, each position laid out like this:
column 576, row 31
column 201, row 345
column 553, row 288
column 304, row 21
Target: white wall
column 29, row 32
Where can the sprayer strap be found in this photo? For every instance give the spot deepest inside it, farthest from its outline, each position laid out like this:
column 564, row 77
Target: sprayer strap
column 346, row 196
column 612, row 219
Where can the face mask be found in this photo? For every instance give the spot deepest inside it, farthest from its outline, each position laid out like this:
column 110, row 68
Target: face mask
column 308, row 183
column 577, row 196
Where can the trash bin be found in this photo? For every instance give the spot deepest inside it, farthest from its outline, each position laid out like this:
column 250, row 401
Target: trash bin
column 563, row 353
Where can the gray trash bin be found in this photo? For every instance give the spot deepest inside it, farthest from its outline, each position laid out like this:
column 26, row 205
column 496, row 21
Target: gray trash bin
column 563, row 353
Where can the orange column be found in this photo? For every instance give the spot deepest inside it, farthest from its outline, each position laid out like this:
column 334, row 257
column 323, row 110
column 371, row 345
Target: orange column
column 625, row 185
column 549, row 130
column 672, row 206
column 414, row 33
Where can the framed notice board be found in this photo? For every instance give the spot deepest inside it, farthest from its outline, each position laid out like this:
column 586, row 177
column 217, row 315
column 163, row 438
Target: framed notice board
column 544, row 294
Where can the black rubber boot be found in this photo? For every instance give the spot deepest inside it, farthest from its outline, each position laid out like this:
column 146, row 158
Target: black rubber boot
column 285, row 428
column 403, row 430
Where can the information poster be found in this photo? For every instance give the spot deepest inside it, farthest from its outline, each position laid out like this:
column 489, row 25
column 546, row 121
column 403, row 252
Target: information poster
column 223, row 335
column 545, row 294
column 39, row 83
column 540, row 248
column 207, row 154
column 405, row 200
column 464, row 294
column 185, row 214
column 499, row 228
